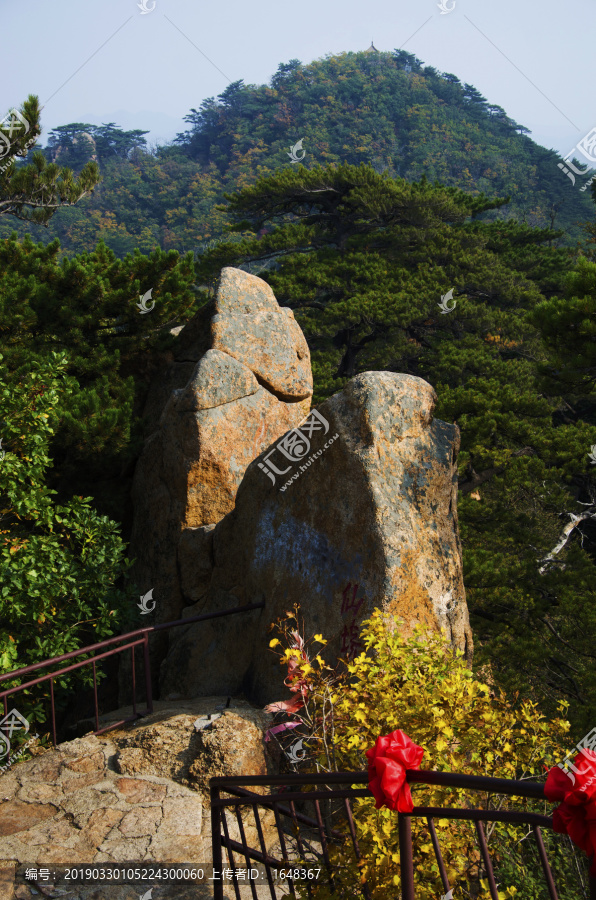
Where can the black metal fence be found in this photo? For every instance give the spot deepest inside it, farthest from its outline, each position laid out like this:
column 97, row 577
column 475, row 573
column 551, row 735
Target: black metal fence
column 307, row 836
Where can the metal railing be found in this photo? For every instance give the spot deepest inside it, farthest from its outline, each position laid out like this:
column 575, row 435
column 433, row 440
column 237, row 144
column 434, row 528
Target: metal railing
column 527, row 789
column 291, row 842
column 282, row 804
column 143, row 641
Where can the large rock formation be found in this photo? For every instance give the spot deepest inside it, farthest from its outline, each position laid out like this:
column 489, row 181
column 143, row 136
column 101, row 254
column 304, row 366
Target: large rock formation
column 240, row 378
column 355, row 509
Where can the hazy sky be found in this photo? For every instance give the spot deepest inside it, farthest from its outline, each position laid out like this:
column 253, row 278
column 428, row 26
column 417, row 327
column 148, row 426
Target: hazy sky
column 106, row 61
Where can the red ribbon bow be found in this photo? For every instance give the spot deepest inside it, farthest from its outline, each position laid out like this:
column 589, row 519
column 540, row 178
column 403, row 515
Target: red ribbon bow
column 576, row 815
column 387, row 763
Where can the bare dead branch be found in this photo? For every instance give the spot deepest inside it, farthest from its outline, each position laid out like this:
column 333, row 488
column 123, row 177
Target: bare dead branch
column 564, row 538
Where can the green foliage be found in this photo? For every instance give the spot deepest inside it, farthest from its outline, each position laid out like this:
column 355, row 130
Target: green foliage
column 89, row 306
column 568, row 328
column 362, row 254
column 348, row 108
column 418, row 684
column 34, row 192
column 59, row 563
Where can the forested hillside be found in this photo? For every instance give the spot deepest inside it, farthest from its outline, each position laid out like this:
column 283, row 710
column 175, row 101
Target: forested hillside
column 384, row 109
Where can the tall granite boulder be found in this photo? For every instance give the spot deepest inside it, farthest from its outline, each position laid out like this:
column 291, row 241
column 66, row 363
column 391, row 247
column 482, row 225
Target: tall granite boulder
column 239, row 380
column 354, row 509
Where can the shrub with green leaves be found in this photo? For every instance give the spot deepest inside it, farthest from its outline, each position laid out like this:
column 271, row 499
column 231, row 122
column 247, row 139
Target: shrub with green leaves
column 58, row 563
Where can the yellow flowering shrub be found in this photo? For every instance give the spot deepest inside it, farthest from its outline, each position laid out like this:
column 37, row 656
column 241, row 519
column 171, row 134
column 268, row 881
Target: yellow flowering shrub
column 420, row 685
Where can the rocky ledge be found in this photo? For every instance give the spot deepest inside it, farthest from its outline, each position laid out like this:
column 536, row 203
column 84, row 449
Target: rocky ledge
column 138, row 794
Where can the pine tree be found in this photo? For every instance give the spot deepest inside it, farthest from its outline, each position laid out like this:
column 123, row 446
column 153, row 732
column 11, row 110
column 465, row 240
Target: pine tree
column 90, row 307
column 399, row 116
column 35, row 191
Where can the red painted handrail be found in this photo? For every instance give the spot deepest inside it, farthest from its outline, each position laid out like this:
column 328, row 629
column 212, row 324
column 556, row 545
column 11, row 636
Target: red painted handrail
column 143, row 639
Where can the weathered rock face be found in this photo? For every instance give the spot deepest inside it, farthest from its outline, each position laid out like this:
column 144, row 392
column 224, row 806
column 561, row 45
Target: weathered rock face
column 69, row 806
column 191, row 750
column 141, row 794
column 251, row 381
column 250, row 326
column 354, row 510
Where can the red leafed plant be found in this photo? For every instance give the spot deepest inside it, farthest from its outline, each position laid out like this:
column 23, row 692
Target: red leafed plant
column 310, row 682
column 295, row 680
